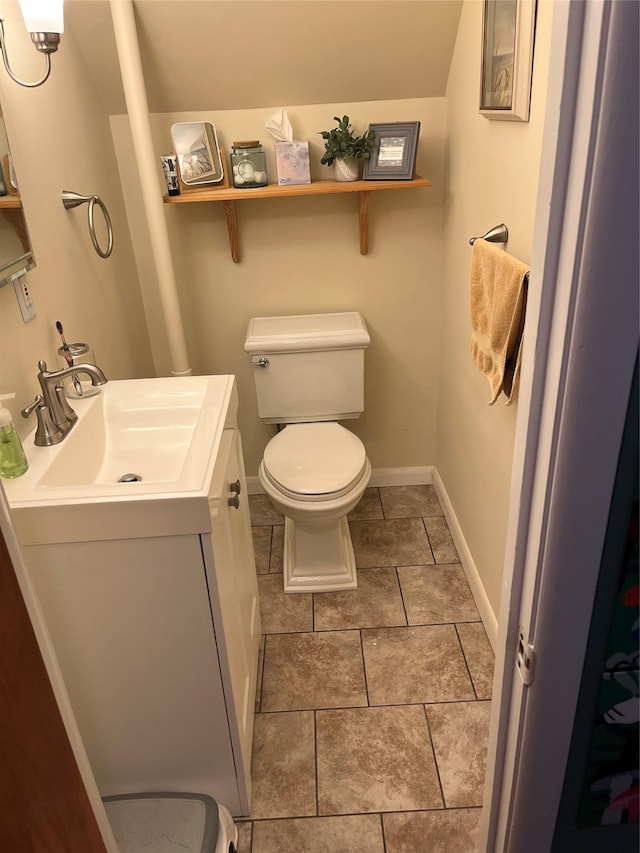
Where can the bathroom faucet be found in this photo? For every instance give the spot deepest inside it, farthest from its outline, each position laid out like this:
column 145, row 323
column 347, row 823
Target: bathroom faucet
column 55, row 415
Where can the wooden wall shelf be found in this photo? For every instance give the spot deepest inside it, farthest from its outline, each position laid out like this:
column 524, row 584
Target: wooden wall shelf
column 228, row 196
column 10, row 202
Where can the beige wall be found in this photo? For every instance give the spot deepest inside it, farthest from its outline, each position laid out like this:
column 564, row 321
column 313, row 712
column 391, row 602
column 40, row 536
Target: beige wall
column 492, row 177
column 302, row 255
column 60, row 139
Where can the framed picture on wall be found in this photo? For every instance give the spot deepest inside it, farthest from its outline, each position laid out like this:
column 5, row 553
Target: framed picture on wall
column 507, row 59
column 393, row 157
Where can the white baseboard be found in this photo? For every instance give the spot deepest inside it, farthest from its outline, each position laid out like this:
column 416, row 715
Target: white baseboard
column 401, row 476
column 254, row 487
column 485, row 610
column 417, row 476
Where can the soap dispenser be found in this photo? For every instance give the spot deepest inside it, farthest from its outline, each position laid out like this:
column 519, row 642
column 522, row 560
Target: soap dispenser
column 13, row 461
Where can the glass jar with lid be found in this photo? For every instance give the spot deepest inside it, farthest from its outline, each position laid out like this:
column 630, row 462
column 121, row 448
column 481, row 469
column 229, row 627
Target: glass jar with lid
column 249, row 164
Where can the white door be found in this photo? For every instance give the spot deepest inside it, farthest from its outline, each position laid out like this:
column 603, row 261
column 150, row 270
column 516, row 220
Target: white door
column 584, row 298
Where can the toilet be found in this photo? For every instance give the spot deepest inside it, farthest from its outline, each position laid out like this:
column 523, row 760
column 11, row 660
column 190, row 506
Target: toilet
column 309, row 374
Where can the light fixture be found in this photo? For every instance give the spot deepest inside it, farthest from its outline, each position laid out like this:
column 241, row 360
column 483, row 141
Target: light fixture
column 43, row 19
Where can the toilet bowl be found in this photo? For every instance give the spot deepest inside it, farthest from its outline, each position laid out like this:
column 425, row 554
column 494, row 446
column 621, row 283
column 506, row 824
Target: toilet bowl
column 309, row 375
column 315, row 474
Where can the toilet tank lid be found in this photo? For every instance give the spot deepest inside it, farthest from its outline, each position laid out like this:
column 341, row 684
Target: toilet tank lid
column 301, row 332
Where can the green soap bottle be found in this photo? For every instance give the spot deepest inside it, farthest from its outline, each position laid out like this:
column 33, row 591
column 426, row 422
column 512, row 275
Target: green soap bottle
column 13, row 462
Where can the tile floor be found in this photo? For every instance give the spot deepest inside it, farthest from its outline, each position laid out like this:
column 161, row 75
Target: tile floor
column 373, row 704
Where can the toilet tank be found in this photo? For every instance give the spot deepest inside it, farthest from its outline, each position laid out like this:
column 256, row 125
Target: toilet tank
column 314, row 368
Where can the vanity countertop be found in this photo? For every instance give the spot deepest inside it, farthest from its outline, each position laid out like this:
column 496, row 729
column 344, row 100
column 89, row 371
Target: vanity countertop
column 167, row 430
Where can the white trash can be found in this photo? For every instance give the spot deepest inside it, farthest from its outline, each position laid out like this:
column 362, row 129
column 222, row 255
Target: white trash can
column 170, row 823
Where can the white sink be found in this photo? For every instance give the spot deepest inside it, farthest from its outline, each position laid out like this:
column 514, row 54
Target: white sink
column 133, row 427
column 166, row 431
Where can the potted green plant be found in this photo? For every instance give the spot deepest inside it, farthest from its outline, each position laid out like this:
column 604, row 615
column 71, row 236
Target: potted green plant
column 345, row 150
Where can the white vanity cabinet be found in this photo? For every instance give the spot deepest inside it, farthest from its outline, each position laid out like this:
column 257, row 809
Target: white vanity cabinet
column 157, row 634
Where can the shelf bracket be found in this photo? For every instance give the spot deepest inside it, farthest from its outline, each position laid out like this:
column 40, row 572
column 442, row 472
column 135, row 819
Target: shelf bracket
column 363, row 210
column 232, row 227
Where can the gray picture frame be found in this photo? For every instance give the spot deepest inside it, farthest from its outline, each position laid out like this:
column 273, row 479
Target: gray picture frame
column 393, row 157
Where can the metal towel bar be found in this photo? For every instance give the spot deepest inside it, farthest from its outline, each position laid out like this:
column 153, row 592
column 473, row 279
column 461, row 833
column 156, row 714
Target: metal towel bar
column 497, row 234
column 71, row 199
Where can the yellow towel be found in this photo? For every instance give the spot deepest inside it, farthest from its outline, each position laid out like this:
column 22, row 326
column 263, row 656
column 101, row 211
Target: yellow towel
column 498, row 300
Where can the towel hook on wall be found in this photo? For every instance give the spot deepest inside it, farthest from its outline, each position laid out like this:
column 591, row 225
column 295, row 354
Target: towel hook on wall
column 71, row 199
column 497, row 234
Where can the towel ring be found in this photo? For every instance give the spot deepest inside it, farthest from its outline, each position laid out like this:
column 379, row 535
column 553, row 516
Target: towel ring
column 497, row 234
column 71, row 199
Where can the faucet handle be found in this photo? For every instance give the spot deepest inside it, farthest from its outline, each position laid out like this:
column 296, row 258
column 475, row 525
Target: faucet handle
column 32, row 407
column 47, row 433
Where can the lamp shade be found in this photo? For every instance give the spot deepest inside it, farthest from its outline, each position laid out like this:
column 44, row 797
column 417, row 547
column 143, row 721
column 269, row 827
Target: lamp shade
column 42, row 16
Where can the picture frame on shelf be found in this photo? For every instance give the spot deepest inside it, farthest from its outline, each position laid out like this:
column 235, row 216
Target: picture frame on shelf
column 196, row 147
column 393, row 157
column 508, row 31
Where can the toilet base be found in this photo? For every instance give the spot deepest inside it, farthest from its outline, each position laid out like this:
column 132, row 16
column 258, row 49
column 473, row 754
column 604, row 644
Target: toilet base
column 318, row 558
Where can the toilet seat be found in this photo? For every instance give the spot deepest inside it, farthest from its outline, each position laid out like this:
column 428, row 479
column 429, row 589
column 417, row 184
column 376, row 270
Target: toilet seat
column 314, row 461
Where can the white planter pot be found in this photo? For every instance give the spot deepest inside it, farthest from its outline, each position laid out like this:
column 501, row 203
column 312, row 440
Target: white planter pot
column 346, row 171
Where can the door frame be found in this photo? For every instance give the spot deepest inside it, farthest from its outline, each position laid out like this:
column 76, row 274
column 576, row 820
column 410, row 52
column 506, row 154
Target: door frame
column 567, row 437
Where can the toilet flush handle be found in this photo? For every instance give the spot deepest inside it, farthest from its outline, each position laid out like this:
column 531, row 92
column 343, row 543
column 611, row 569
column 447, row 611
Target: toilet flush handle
column 260, row 361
